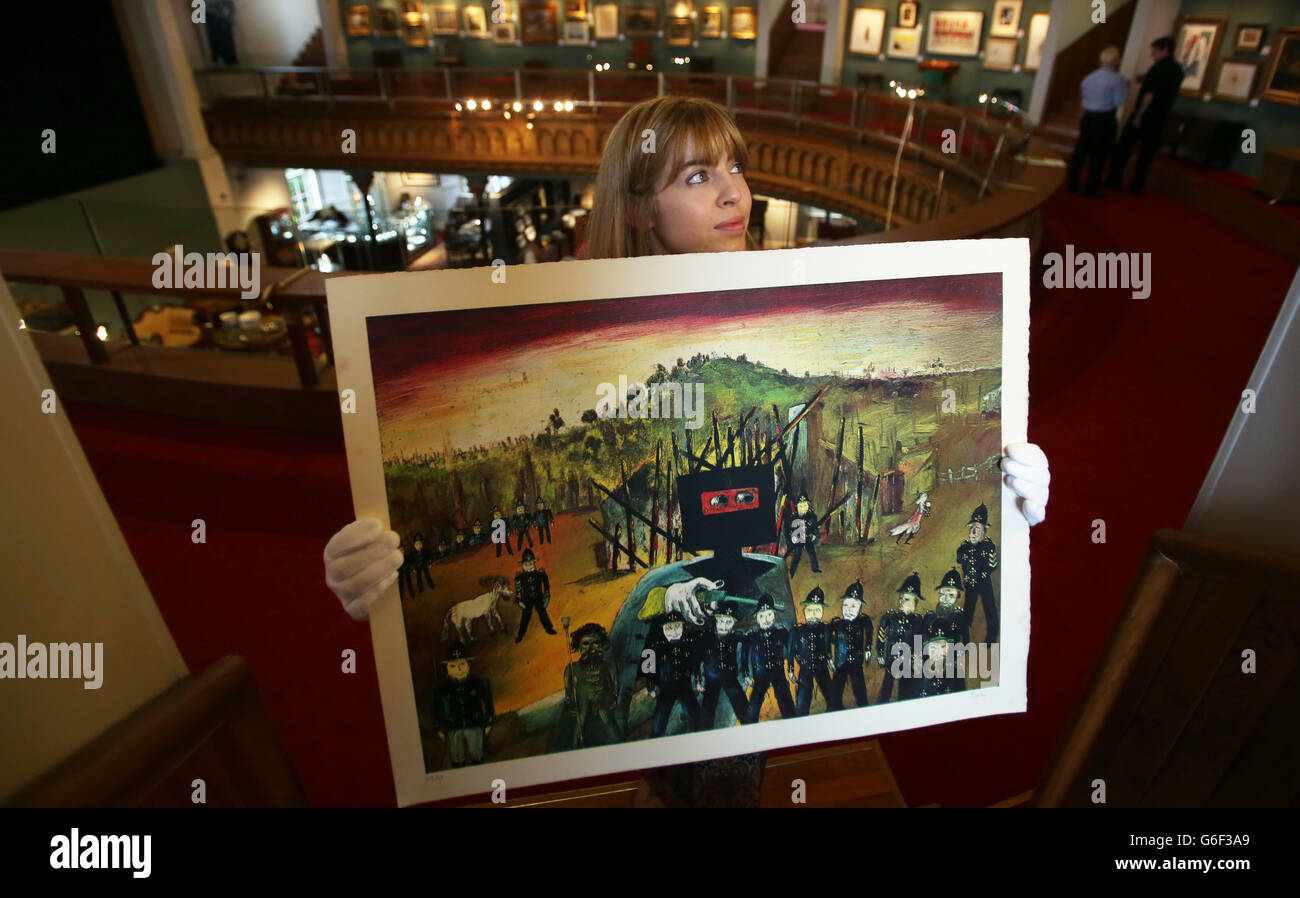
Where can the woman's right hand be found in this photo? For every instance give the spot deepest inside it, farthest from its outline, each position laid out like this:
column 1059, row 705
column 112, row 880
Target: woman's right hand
column 361, row 561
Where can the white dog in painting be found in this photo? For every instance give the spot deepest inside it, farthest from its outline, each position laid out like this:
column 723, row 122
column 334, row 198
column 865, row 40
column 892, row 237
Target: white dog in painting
column 463, row 614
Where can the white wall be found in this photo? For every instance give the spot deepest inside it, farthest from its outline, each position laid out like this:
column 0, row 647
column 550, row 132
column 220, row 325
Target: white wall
column 272, row 32
column 68, row 577
column 1250, row 494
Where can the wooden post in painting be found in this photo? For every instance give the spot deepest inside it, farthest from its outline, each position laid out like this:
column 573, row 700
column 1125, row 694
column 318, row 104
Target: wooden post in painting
column 654, row 508
column 839, row 464
column 857, row 514
column 627, row 491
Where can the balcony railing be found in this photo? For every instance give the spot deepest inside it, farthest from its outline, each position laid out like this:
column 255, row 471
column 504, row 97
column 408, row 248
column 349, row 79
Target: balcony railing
column 980, row 146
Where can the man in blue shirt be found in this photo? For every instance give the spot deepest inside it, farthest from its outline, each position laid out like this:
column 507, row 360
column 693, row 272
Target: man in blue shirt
column 1103, row 93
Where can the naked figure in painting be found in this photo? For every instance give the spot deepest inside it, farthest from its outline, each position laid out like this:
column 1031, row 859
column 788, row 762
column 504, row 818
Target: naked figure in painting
column 670, row 514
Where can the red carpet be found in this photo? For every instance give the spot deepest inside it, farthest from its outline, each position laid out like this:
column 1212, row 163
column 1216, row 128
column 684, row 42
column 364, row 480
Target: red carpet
column 1129, row 398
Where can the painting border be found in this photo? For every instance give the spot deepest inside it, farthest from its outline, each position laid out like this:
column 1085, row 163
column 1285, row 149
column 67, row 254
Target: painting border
column 354, row 298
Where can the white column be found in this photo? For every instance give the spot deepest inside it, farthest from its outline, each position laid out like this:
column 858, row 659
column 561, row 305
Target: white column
column 336, row 43
column 833, row 47
column 151, row 30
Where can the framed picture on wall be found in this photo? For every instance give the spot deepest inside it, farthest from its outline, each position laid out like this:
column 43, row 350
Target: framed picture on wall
column 504, row 33
column 1236, row 80
column 606, row 15
column 642, row 21
column 475, row 22
column 711, row 21
column 1038, row 23
column 744, row 23
column 386, row 20
column 955, row 32
column 577, row 32
column 1249, row 39
column 867, row 34
column 443, row 19
column 359, row 20
column 575, row 10
column 1195, row 48
column 537, row 22
column 1282, row 82
column 1006, row 19
column 1000, row 53
column 907, row 11
column 904, row 43
column 679, row 32
column 415, row 33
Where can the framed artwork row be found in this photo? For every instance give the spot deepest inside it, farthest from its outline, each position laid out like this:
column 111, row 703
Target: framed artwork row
column 540, row 23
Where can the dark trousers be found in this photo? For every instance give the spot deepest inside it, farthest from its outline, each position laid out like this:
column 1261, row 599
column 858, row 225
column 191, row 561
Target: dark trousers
column 1148, row 135
column 851, row 672
column 507, row 545
column 421, row 577
column 780, row 688
column 709, row 707
column 541, row 616
column 807, row 676
column 886, row 687
column 1094, row 147
column 543, row 533
column 522, row 533
column 984, row 592
column 670, row 695
column 812, row 558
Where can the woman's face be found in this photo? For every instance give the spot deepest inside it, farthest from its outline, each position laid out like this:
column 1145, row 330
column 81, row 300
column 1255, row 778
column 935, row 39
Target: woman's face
column 702, row 208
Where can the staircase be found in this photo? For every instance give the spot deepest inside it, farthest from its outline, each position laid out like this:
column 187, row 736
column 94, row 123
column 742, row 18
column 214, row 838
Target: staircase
column 801, row 56
column 1060, row 125
column 312, row 52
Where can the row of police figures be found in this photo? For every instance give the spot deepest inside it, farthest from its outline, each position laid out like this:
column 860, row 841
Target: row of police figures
column 691, row 668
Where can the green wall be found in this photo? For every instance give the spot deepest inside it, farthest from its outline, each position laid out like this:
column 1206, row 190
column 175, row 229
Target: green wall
column 971, row 79
column 1275, row 124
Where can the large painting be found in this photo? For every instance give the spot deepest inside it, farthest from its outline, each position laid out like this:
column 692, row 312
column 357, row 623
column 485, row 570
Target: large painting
column 1196, row 47
column 756, row 505
column 1282, row 82
column 955, row 32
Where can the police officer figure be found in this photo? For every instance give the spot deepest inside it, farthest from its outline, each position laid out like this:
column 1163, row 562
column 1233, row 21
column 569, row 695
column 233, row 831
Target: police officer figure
column 544, row 519
column 899, row 626
column 804, row 531
column 462, row 710
column 476, row 534
column 670, row 673
column 810, row 646
column 419, row 565
column 522, row 522
column 533, row 593
column 851, row 648
column 978, row 556
column 763, row 663
column 719, row 654
column 948, row 619
column 496, row 516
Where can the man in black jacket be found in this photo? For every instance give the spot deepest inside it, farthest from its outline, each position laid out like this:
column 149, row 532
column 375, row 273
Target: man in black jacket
column 462, row 710
column 1147, row 123
column 533, row 593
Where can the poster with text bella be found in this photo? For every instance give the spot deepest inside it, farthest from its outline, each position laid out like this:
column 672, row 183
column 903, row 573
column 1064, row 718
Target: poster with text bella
column 669, row 509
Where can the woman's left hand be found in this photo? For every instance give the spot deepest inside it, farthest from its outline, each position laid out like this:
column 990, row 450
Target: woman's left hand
column 1024, row 468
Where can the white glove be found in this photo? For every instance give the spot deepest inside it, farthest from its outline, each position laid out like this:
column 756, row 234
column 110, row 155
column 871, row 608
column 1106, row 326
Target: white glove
column 361, row 562
column 1024, row 468
column 681, row 597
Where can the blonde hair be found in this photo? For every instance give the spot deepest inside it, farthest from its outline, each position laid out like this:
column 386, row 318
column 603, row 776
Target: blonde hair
column 629, row 177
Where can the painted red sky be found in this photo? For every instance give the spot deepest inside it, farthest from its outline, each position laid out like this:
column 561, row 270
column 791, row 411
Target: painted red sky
column 487, row 373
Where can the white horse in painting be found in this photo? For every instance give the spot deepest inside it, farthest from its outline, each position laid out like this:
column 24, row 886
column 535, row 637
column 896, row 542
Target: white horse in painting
column 463, row 614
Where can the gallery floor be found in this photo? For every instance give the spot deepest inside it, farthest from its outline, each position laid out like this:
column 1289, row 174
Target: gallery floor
column 1128, row 397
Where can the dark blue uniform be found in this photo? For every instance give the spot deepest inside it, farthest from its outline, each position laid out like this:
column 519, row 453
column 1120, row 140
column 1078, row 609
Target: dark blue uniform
column 671, row 675
column 764, row 660
column 896, row 628
column 851, row 645
column 978, row 561
column 810, row 646
column 720, row 664
column 544, row 519
column 533, row 593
